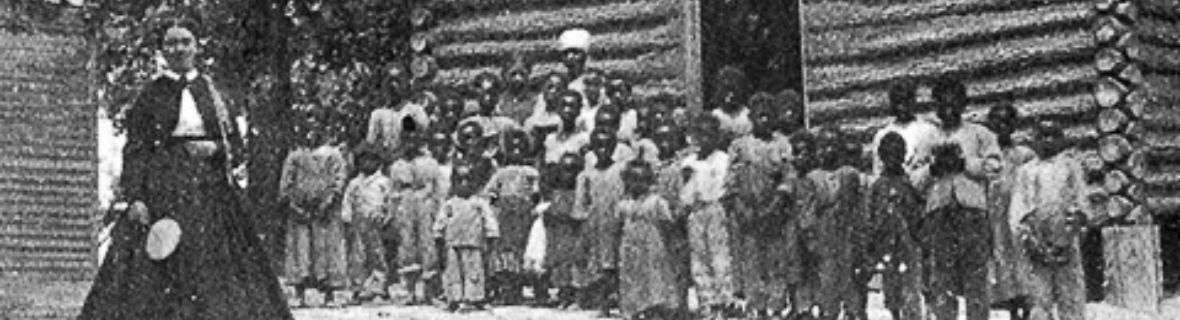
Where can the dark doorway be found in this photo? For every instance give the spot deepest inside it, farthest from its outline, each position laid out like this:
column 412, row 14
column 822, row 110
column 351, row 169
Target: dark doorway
column 762, row 38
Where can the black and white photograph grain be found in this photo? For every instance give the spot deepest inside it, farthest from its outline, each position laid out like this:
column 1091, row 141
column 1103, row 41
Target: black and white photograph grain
column 590, row 159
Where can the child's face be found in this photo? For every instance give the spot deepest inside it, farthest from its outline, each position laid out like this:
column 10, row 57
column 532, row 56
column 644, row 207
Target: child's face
column 487, row 104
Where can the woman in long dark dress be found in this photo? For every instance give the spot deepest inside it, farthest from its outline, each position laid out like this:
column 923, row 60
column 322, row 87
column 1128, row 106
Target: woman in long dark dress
column 181, row 144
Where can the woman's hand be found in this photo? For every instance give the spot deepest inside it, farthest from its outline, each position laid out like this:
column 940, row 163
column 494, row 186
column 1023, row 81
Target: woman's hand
column 139, row 212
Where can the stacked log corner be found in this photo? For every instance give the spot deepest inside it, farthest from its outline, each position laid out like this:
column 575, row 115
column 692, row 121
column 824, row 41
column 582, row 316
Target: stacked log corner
column 1137, row 59
column 1117, row 81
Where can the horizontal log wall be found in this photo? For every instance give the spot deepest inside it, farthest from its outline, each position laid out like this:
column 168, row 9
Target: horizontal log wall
column 48, row 158
column 1038, row 55
column 640, row 39
column 1155, row 45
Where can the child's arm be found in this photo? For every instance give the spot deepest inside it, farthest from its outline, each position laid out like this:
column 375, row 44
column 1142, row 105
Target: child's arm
column 1020, row 204
column 346, row 210
column 582, row 198
column 491, row 225
column 441, row 220
column 985, row 163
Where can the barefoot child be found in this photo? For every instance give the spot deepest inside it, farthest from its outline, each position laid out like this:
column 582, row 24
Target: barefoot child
column 512, row 190
column 646, row 270
column 367, row 206
column 894, row 206
column 701, row 196
column 466, row 225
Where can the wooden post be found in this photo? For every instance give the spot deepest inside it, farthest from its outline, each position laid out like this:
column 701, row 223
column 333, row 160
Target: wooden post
column 1133, row 267
column 693, row 70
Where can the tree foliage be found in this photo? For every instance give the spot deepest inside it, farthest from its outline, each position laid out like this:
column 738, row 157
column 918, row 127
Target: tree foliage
column 337, row 49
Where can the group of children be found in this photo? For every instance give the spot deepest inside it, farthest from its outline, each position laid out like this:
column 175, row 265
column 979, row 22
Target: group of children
column 474, row 195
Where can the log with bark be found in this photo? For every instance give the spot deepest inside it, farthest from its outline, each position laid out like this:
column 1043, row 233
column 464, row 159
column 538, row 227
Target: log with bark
column 1109, row 93
column 1162, row 204
column 550, row 23
column 1159, row 112
column 1119, row 206
column 983, row 59
column 835, row 15
column 1163, row 180
column 1114, row 148
column 1111, row 120
column 1163, row 8
column 1132, row 75
column 621, row 45
column 928, row 36
column 1137, row 164
column 1105, row 6
column 1127, row 11
column 1158, row 31
column 1115, row 181
column 1110, row 61
column 1162, row 139
column 1153, row 57
column 1110, row 30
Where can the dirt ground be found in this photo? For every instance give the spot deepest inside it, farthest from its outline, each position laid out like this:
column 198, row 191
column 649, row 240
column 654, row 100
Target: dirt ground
column 62, row 300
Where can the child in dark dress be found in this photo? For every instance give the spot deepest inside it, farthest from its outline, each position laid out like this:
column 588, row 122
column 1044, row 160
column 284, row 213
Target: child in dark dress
column 894, row 208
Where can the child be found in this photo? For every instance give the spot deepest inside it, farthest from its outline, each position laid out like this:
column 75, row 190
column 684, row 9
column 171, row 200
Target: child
column 367, row 206
column 465, row 226
column 734, row 117
column 646, row 270
column 894, row 206
column 750, row 176
column 419, row 205
column 594, row 96
column 517, row 100
column 708, row 235
column 839, row 186
column 565, row 255
column 405, row 224
column 512, row 190
column 792, row 261
column 1009, row 266
column 489, row 115
column 668, row 144
column 1048, row 212
column 599, row 188
column 568, row 139
column 607, row 118
column 311, row 184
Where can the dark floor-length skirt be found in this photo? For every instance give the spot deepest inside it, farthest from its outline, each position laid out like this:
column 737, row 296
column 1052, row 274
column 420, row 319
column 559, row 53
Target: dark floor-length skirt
column 219, row 270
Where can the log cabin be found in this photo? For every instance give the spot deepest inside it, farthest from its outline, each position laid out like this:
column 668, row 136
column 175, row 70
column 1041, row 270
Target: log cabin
column 1108, row 69
column 48, row 162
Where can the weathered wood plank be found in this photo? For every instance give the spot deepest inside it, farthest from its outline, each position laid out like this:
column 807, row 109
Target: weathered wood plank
column 693, row 68
column 919, row 38
column 835, row 15
column 550, row 23
column 1001, row 55
column 1133, row 276
column 611, row 46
